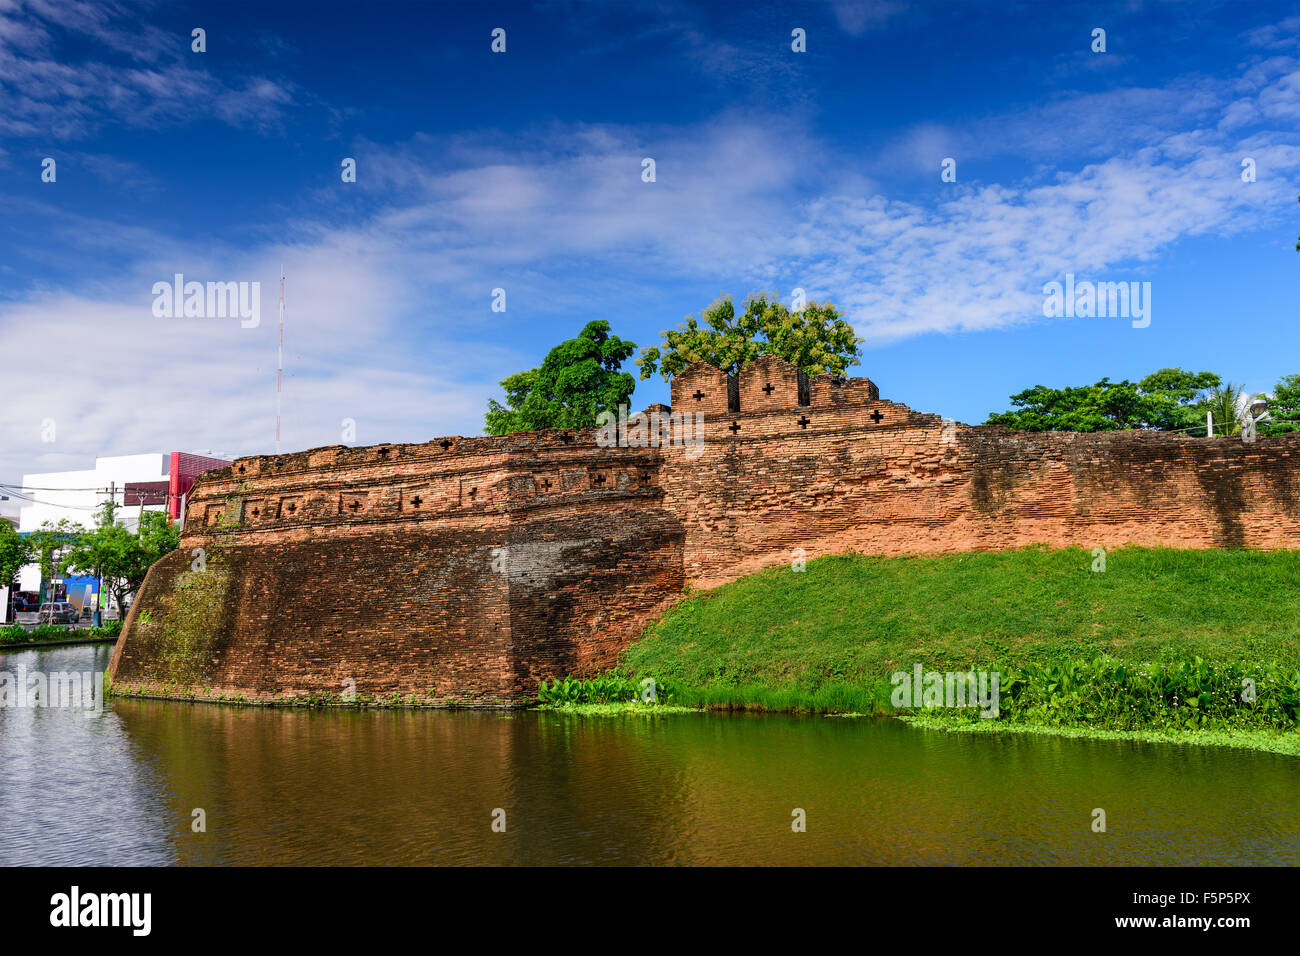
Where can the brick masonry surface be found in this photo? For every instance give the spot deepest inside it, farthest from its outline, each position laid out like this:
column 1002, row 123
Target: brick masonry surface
column 465, row 570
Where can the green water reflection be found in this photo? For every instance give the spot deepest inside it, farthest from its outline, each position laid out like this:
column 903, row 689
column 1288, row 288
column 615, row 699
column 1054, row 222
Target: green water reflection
column 340, row 787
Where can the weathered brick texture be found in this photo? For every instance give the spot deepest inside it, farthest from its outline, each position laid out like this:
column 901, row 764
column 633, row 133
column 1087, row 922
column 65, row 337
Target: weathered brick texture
column 468, row 569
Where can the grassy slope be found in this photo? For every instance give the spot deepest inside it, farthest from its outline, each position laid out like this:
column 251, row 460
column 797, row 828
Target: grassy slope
column 829, row 637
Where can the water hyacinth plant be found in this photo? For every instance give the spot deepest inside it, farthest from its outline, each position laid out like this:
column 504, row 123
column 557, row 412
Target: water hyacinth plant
column 1190, row 695
column 610, row 688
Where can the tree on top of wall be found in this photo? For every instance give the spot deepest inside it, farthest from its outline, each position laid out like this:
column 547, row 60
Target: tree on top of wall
column 815, row 339
column 578, row 380
column 1170, row 399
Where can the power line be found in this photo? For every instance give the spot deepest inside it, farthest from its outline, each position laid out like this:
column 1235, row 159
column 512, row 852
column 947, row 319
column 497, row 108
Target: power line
column 15, row 484
column 143, row 498
column 10, row 488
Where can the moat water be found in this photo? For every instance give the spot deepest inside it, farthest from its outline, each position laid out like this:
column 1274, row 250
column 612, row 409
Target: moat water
column 420, row 787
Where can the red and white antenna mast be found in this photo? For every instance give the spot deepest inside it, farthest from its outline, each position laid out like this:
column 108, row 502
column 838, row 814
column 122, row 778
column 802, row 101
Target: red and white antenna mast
column 279, row 364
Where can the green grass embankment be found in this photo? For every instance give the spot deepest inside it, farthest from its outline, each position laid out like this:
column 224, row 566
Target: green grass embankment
column 1161, row 640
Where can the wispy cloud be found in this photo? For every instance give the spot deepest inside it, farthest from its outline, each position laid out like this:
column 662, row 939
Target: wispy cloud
column 123, row 71
column 1276, row 36
column 856, row 17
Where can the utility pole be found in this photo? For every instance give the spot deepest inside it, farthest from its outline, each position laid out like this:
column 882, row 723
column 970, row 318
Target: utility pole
column 279, row 364
column 99, row 598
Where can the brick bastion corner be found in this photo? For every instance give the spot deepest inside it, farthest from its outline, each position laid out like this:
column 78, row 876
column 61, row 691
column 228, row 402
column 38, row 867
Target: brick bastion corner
column 465, row 570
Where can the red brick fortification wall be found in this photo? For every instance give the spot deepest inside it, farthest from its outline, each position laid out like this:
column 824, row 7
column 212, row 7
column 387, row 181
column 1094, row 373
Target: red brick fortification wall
column 416, row 612
column 460, row 571
column 466, row 570
column 848, row 471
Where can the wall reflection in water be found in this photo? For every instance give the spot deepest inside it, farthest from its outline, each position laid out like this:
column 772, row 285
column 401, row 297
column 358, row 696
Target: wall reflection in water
column 398, row 787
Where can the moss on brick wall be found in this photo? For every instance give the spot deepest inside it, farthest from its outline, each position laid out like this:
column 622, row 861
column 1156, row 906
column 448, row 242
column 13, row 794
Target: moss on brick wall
column 177, row 619
column 188, row 623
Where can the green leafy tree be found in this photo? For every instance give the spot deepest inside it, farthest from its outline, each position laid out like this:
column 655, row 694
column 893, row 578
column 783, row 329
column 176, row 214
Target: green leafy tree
column 16, row 552
column 101, row 552
column 118, row 558
column 814, row 339
column 1283, row 408
column 1170, row 399
column 1173, row 398
column 578, row 380
column 158, row 535
column 48, row 541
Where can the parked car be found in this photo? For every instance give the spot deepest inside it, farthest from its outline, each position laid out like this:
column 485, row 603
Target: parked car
column 59, row 612
column 26, row 602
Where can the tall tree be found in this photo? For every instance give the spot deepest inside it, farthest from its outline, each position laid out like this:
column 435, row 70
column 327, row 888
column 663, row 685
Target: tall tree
column 16, row 552
column 579, row 379
column 1169, row 399
column 101, row 552
column 814, row 339
column 1224, row 403
column 158, row 535
column 118, row 558
column 48, row 541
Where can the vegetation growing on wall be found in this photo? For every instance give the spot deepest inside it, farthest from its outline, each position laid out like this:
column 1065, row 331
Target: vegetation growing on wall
column 190, row 617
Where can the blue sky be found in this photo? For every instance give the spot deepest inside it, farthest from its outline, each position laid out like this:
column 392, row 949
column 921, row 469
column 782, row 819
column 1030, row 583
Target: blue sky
column 522, row 171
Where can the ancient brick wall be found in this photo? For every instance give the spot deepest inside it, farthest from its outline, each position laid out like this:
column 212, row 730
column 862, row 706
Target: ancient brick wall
column 460, row 570
column 852, row 472
column 468, row 569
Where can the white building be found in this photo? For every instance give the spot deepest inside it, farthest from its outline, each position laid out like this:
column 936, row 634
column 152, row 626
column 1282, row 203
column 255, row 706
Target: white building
column 78, row 495
column 138, row 483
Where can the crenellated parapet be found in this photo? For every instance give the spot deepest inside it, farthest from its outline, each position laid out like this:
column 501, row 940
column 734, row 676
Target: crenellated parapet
column 768, row 384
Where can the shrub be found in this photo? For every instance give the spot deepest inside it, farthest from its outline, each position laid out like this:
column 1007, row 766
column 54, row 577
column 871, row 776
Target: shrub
column 16, row 634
